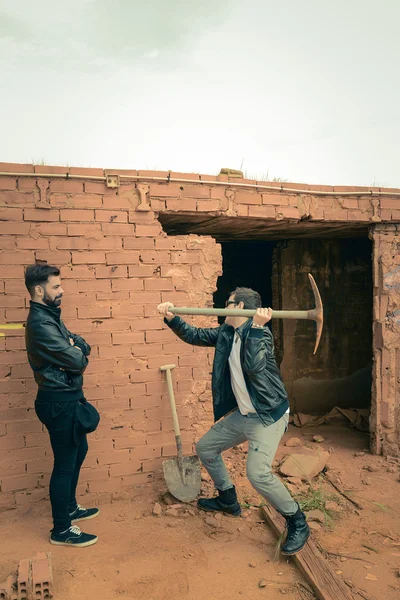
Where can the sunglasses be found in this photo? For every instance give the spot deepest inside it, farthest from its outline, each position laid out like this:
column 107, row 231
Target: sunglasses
column 228, row 302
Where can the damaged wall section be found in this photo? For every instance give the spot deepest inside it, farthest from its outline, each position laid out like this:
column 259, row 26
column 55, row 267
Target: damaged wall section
column 385, row 416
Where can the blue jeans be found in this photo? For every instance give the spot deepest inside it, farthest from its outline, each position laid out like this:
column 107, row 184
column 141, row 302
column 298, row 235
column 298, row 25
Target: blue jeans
column 263, row 443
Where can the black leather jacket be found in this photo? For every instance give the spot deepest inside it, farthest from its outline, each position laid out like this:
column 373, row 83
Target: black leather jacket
column 261, row 374
column 57, row 366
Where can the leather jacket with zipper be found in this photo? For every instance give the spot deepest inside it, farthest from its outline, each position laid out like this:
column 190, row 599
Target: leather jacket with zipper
column 261, row 374
column 57, row 365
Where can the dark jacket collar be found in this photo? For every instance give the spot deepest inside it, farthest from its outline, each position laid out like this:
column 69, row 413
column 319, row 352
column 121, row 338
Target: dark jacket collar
column 52, row 311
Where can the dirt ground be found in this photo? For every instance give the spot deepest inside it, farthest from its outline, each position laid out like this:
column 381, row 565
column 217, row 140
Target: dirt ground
column 183, row 554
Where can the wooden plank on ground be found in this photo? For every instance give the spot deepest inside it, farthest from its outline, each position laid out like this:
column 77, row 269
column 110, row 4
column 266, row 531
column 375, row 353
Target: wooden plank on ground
column 315, row 568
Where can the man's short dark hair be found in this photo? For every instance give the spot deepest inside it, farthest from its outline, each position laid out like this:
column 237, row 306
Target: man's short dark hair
column 250, row 298
column 39, row 274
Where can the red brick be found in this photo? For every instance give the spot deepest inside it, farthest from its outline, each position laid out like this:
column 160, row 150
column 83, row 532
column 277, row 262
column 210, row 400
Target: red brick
column 162, row 190
column 10, row 214
column 111, row 216
column 99, row 188
column 77, row 200
column 349, row 202
column 39, row 466
column 94, row 311
column 68, row 187
column 275, row 199
column 156, row 257
column 91, row 257
column 127, row 468
column 141, row 271
column 184, row 204
column 242, row 210
column 7, row 243
column 248, row 198
column 157, row 205
column 15, row 343
column 27, row 184
column 48, row 229
column 335, row 215
column 145, row 297
column 170, row 243
column 190, row 257
column 208, row 205
column 88, row 171
column 130, row 391
column 21, row 482
column 16, row 315
column 111, row 272
column 90, row 230
column 53, row 257
column 390, row 203
column 127, row 337
column 106, row 243
column 395, row 215
column 67, row 243
column 76, row 215
column 119, row 202
column 160, row 283
column 28, row 243
column 288, row 212
column 358, row 215
column 78, row 272
column 17, row 198
column 119, row 229
column 148, row 230
column 16, row 168
column 11, row 442
column 21, row 372
column 266, row 212
column 138, row 244
column 94, row 285
column 117, row 351
column 144, row 350
column 146, row 324
column 131, row 284
column 36, row 214
column 146, row 452
column 137, row 479
column 122, row 258
column 195, row 191
column 159, row 336
column 8, row 183
column 16, row 258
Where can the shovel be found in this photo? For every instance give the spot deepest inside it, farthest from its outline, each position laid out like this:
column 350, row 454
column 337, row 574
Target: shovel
column 182, row 474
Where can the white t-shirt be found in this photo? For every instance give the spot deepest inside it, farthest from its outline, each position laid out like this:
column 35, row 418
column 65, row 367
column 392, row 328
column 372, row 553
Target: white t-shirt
column 237, row 379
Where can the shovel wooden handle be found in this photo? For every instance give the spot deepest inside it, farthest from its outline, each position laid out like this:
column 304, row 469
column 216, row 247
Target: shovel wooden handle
column 168, row 369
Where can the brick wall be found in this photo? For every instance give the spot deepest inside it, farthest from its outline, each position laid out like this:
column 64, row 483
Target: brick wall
column 117, row 265
column 385, row 417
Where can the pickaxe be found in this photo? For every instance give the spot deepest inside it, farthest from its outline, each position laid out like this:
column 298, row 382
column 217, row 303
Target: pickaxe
column 315, row 314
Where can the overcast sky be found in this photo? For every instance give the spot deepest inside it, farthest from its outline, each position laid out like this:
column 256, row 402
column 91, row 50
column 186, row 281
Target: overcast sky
column 303, row 90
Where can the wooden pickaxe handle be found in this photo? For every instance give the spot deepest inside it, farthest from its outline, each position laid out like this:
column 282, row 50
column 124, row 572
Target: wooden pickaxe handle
column 316, row 314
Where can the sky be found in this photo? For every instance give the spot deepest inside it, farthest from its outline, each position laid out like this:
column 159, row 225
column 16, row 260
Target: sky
column 301, row 90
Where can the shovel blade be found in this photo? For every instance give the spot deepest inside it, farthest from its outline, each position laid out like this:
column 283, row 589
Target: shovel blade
column 183, row 485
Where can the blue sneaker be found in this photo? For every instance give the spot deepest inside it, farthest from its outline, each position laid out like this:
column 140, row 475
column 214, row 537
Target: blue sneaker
column 73, row 537
column 83, row 514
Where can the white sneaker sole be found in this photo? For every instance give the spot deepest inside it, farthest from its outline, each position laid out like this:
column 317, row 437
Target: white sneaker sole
column 84, row 545
column 86, row 518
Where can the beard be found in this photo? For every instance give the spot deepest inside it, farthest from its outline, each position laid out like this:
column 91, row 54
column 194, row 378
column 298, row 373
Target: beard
column 54, row 303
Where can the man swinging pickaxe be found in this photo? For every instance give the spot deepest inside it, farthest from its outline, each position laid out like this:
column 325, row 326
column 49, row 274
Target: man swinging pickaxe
column 250, row 401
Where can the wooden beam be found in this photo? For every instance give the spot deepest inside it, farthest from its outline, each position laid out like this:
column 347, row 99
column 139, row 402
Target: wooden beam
column 315, row 568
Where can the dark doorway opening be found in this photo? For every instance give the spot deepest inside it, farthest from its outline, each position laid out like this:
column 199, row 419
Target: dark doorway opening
column 245, row 264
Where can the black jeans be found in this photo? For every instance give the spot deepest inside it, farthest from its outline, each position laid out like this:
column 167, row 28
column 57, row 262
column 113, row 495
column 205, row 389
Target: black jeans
column 58, row 417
